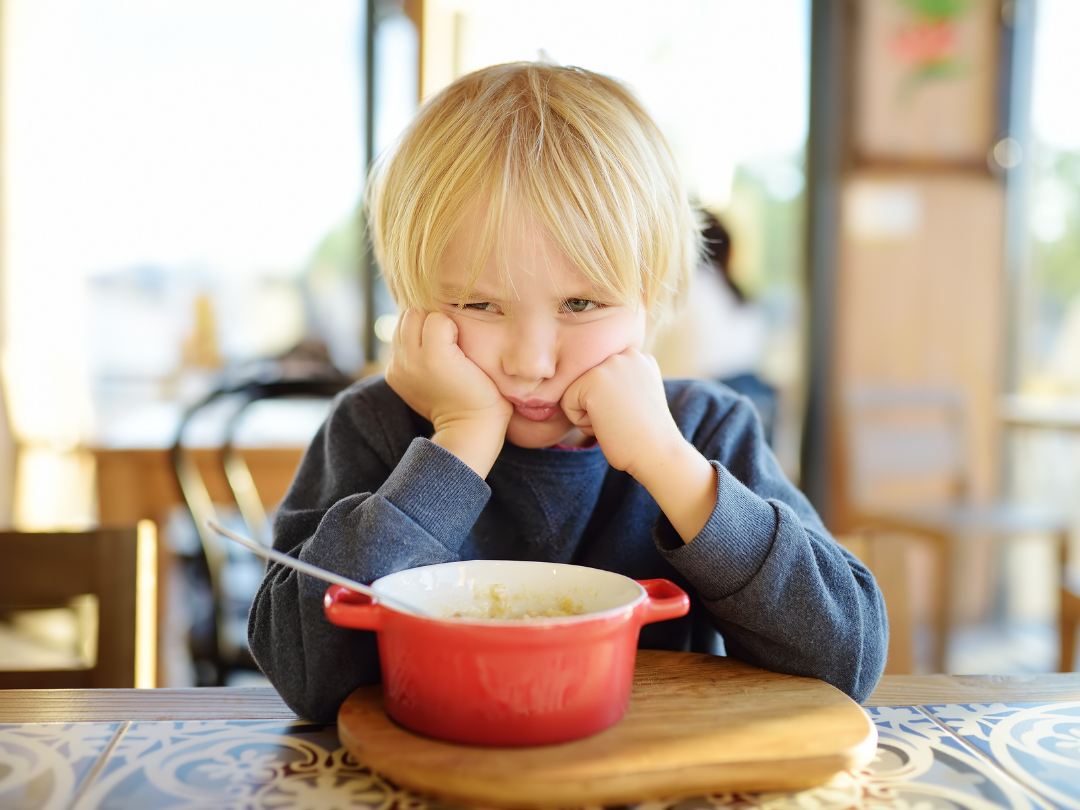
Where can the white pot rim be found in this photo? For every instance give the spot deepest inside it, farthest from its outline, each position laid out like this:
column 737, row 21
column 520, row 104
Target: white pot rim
column 390, row 585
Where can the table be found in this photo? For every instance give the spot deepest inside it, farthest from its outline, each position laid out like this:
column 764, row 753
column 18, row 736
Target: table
column 139, row 483
column 135, row 479
column 943, row 741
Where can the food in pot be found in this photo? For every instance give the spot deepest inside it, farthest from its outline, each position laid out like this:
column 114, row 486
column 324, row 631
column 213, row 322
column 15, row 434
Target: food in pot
column 482, row 681
column 497, row 603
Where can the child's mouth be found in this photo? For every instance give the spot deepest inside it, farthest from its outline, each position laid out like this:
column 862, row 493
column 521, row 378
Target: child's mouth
column 536, row 410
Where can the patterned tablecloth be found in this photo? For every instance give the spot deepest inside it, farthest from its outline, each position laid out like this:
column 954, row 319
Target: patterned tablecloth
column 1018, row 755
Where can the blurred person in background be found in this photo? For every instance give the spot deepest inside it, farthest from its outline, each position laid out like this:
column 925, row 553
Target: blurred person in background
column 719, row 334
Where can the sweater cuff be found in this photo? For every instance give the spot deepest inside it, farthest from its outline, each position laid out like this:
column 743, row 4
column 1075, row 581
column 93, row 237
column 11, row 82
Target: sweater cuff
column 732, row 546
column 438, row 491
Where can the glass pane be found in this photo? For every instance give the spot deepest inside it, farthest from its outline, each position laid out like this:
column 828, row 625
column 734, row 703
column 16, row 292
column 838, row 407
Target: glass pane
column 181, row 182
column 1045, row 459
column 182, row 178
column 1050, row 337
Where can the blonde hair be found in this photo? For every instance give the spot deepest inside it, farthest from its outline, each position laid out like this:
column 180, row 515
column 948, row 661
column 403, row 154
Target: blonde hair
column 572, row 148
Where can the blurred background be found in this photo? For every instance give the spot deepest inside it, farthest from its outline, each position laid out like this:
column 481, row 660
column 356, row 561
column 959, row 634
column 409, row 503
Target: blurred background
column 894, row 188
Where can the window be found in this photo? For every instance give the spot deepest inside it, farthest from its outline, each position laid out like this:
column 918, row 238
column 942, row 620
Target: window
column 181, row 181
column 1049, row 349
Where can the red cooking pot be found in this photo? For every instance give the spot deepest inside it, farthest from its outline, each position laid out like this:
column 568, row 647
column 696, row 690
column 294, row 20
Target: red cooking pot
column 469, row 678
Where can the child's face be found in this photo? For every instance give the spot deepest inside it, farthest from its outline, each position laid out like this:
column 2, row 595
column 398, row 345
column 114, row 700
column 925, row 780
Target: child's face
column 549, row 328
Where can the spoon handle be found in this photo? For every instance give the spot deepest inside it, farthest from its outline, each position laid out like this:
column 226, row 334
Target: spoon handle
column 309, row 569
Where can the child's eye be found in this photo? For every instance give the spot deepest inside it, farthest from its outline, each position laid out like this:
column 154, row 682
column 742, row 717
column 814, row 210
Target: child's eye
column 482, row 306
column 580, row 304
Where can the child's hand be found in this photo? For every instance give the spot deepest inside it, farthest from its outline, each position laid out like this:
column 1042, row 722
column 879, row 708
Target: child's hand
column 622, row 402
column 429, row 371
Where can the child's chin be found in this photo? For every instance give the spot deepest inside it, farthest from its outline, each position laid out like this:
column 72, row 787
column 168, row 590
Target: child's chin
column 533, row 435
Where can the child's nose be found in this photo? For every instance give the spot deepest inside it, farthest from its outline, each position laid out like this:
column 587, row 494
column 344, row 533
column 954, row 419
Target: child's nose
column 530, row 353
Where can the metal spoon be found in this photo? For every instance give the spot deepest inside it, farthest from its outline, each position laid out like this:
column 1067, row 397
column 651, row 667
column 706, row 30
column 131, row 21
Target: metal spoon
column 315, row 571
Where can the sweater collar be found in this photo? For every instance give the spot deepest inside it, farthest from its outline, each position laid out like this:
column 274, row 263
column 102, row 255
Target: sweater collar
column 581, row 458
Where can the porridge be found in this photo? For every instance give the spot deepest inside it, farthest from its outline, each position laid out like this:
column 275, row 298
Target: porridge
column 497, row 603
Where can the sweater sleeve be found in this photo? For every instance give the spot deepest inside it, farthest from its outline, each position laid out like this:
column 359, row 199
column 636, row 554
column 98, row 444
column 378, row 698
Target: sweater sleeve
column 353, row 510
column 783, row 593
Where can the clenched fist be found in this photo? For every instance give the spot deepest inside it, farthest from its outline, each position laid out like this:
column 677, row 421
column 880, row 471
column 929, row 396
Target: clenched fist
column 429, row 371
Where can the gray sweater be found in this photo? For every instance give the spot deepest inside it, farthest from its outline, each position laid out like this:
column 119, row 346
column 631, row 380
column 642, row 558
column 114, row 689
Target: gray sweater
column 374, row 495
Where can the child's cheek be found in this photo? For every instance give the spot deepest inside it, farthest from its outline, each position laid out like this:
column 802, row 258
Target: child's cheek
column 611, row 336
column 472, row 342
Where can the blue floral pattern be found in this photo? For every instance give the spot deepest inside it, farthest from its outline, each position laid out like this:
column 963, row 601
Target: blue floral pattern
column 44, row 766
column 969, row 757
column 1038, row 744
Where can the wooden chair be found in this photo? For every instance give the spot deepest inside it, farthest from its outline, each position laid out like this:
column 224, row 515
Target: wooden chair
column 1070, row 621
column 906, row 470
column 219, row 644
column 116, row 568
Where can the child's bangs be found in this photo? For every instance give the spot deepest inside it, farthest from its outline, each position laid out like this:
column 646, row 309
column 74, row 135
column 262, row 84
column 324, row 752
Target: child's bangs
column 520, row 171
column 423, row 204
column 601, row 244
column 578, row 186
column 615, row 278
column 571, row 148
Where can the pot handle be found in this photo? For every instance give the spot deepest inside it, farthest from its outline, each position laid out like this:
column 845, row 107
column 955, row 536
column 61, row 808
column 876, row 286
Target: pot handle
column 347, row 608
column 666, row 600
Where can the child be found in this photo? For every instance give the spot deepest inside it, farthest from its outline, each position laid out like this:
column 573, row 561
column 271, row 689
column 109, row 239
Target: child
column 532, row 227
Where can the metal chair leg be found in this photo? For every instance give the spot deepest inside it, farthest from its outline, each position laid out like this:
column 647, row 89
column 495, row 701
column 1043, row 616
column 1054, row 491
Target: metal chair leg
column 1070, row 620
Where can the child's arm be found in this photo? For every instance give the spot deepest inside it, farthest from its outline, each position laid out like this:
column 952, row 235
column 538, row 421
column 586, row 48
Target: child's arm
column 782, row 593
column 622, row 402
column 371, row 498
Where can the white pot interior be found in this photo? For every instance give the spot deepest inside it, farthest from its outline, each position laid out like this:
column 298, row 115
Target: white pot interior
column 509, row 591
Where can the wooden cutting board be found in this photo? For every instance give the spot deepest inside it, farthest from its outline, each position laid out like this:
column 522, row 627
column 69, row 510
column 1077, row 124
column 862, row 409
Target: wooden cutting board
column 697, row 724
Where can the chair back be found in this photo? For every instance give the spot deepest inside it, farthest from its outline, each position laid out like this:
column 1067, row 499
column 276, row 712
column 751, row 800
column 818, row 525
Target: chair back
column 83, row 570
column 903, row 445
column 225, row 646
